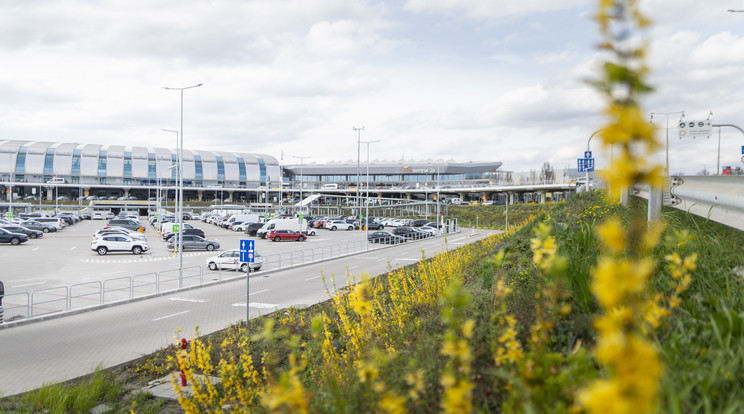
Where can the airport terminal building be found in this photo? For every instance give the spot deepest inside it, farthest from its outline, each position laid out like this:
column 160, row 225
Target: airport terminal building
column 33, row 169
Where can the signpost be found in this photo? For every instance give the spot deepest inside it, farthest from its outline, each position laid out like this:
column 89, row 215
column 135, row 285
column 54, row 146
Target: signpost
column 586, row 165
column 247, row 255
column 695, row 129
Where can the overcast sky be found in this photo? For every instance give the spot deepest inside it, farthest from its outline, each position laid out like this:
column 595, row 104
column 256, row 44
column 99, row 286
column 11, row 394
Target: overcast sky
column 467, row 80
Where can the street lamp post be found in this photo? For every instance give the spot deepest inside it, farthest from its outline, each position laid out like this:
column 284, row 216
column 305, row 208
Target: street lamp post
column 366, row 202
column 180, row 186
column 301, row 182
column 359, row 179
column 178, row 175
column 667, row 133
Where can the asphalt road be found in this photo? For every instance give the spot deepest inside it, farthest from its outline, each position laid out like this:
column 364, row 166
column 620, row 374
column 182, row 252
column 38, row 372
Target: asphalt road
column 64, row 348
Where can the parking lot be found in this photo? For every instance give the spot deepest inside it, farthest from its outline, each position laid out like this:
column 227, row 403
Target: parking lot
column 64, row 258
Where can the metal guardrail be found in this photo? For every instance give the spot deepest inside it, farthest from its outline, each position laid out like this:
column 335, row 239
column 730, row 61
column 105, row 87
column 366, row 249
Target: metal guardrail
column 717, row 197
column 44, row 302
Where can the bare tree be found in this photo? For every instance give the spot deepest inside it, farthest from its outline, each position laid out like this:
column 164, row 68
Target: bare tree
column 547, row 173
column 737, row 171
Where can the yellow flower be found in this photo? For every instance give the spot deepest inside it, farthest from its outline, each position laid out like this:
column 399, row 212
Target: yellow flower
column 467, row 328
column 612, row 235
column 367, row 372
column 457, row 399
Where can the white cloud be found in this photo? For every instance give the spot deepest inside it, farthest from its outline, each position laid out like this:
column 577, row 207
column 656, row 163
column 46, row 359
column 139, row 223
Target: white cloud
column 489, row 9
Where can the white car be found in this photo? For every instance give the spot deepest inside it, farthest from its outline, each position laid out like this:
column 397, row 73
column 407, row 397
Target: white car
column 338, row 225
column 119, row 230
column 230, row 260
column 427, row 229
column 97, row 215
column 118, row 243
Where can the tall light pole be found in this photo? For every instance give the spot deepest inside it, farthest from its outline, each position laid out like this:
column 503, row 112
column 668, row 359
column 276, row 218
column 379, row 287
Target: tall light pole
column 667, row 132
column 301, row 182
column 180, row 187
column 178, row 173
column 359, row 149
column 366, row 202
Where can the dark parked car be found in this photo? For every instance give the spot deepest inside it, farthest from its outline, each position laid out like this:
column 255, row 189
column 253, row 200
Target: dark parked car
column 418, row 223
column 408, row 232
column 32, row 234
column 373, row 225
column 198, row 232
column 386, row 237
column 67, row 219
column 128, row 224
column 12, row 238
column 253, row 228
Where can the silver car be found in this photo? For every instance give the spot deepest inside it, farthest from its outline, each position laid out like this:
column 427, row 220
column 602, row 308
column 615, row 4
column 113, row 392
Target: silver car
column 230, row 260
column 194, row 242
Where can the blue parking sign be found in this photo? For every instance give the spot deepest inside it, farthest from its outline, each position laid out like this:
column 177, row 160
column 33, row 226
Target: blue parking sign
column 587, row 154
column 247, row 251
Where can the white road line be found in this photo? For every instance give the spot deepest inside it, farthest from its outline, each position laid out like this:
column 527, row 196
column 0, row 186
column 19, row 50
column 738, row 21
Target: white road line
column 35, row 248
column 406, row 258
column 352, row 267
column 190, row 300
column 170, row 316
column 73, row 247
column 29, row 284
column 314, row 277
column 256, row 293
column 369, row 258
column 257, row 305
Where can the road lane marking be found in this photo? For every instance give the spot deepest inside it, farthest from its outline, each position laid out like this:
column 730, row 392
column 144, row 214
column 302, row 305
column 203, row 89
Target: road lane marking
column 260, row 291
column 35, row 248
column 30, row 284
column 190, row 300
column 314, row 277
column 406, row 258
column 73, row 247
column 170, row 316
column 258, row 305
column 351, row 267
column 369, row 258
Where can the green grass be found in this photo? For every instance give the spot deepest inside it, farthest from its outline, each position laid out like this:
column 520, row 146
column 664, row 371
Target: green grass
column 701, row 342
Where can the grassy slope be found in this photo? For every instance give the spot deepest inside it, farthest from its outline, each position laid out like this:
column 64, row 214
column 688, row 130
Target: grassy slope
column 700, row 341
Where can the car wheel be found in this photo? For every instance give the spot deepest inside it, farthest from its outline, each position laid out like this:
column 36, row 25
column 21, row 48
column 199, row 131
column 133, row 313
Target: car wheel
column 333, row 228
column 15, row 241
column 256, row 269
column 244, row 267
column 137, row 250
column 350, row 228
column 277, row 238
column 212, row 266
column 32, row 235
column 45, row 230
column 300, row 238
column 210, row 247
column 102, row 251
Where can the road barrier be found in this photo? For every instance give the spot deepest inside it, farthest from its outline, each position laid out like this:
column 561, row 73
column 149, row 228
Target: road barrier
column 716, row 197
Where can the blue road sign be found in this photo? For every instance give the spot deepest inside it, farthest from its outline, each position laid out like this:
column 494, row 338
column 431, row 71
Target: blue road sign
column 585, row 164
column 247, row 250
column 587, row 154
column 742, row 150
